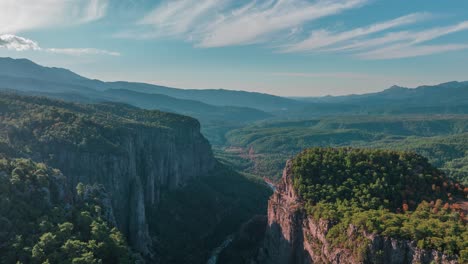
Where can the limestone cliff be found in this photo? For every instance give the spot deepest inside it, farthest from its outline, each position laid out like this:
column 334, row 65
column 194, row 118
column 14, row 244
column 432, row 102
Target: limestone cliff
column 150, row 160
column 295, row 238
column 134, row 154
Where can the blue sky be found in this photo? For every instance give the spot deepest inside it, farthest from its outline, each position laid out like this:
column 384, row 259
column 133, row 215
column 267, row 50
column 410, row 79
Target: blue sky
column 283, row 47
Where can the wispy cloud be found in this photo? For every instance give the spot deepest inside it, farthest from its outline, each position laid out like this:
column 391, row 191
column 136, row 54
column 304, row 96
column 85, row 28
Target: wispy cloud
column 334, row 75
column 17, row 43
column 407, row 37
column 391, row 45
column 280, row 24
column 22, row 15
column 323, row 38
column 180, row 16
column 408, row 44
column 85, row 51
column 219, row 23
column 253, row 24
column 407, row 51
column 93, row 10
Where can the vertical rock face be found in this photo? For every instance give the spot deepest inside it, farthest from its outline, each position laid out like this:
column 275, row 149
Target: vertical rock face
column 135, row 154
column 293, row 237
column 284, row 240
column 149, row 161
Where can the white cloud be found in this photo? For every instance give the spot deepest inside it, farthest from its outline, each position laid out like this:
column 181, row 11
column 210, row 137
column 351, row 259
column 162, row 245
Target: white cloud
column 407, row 51
column 17, row 43
column 22, row 15
column 178, row 17
column 257, row 23
column 85, row 51
column 93, row 10
column 323, row 38
column 282, row 24
column 391, row 45
column 332, row 75
column 406, row 37
column 217, row 23
column 13, row 42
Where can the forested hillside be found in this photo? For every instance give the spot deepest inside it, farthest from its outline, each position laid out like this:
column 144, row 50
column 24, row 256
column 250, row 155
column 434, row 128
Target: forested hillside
column 148, row 162
column 262, row 148
column 396, row 194
column 41, row 221
column 348, row 205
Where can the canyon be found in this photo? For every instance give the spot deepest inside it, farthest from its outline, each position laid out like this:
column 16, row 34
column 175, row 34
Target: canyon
column 294, row 237
column 135, row 160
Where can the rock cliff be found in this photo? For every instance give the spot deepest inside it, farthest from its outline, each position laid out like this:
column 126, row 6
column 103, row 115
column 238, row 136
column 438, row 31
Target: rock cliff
column 134, row 154
column 293, row 237
column 149, row 161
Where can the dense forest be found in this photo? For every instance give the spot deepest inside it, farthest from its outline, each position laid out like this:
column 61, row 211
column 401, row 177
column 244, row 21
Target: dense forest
column 396, row 194
column 41, row 222
column 263, row 148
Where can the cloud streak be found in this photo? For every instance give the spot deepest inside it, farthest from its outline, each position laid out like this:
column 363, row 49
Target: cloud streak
column 391, row 45
column 323, row 38
column 220, row 23
column 223, row 23
column 329, row 75
column 17, row 43
column 252, row 24
column 83, row 51
column 408, row 51
column 23, row 15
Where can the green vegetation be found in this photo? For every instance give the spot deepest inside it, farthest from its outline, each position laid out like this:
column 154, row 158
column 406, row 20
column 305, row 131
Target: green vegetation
column 187, row 223
column 40, row 222
column 196, row 219
column 442, row 139
column 396, row 194
column 29, row 123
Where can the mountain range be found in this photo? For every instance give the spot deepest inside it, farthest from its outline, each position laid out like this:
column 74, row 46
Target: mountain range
column 227, row 107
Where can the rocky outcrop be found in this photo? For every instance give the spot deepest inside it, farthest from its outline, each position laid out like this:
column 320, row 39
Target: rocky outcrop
column 295, row 238
column 135, row 154
column 148, row 161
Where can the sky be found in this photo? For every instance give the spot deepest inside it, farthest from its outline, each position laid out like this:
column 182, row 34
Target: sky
column 281, row 47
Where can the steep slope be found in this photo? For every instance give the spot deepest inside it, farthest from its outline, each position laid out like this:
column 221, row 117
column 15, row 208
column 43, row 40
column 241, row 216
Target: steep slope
column 135, row 154
column 168, row 196
column 363, row 206
column 194, row 220
column 41, row 220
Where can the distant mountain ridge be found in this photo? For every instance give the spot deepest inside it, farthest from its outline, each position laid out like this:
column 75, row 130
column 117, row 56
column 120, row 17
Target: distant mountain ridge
column 26, row 76
column 396, row 92
column 26, row 69
column 445, row 98
column 229, row 107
